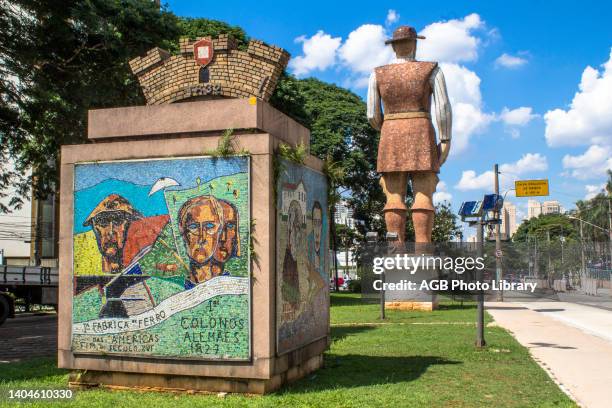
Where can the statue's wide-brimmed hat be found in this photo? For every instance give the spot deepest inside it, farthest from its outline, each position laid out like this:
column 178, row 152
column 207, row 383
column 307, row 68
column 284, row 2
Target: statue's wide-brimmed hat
column 113, row 203
column 404, row 33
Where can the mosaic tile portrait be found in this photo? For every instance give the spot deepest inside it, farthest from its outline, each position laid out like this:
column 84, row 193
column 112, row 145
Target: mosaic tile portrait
column 302, row 253
column 160, row 258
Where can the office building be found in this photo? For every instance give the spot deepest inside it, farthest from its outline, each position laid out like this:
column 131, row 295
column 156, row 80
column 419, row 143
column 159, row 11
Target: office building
column 508, row 219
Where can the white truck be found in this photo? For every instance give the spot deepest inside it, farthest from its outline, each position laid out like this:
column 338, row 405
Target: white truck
column 33, row 284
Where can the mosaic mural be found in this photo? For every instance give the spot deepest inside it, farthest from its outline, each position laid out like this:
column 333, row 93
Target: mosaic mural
column 161, row 260
column 302, row 250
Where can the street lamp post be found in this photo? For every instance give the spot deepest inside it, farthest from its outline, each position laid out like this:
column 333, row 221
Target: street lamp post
column 480, row 340
column 548, row 268
column 610, row 230
column 498, row 263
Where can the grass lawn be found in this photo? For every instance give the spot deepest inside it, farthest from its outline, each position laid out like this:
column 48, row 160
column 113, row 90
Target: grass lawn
column 413, row 359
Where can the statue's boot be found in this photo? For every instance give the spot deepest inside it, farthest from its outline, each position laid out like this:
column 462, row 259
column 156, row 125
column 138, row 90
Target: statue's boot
column 423, row 220
column 424, row 186
column 395, row 220
column 394, row 187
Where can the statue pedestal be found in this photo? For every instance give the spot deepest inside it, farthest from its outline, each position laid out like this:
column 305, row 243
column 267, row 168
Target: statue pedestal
column 220, row 268
column 411, row 299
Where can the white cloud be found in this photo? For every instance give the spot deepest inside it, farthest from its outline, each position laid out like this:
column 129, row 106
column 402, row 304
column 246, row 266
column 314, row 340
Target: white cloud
column 392, row 17
column 510, row 61
column 319, row 53
column 468, row 120
column 592, row 163
column 471, row 181
column 441, row 195
column 592, row 190
column 517, row 117
column 588, row 121
column 451, row 41
column 529, row 163
column 466, row 100
column 463, row 85
column 365, row 49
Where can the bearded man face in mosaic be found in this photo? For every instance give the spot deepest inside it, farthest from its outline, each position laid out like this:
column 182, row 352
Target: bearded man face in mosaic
column 110, row 221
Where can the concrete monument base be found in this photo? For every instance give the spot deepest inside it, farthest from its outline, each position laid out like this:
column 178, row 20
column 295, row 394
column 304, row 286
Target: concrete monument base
column 411, row 299
column 187, row 384
column 293, row 368
column 275, row 349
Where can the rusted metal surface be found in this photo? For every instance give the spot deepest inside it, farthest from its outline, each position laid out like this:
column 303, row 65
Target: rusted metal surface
column 407, row 144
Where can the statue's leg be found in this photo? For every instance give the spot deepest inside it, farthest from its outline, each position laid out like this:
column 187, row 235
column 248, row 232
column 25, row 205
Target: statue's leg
column 423, row 186
column 394, row 186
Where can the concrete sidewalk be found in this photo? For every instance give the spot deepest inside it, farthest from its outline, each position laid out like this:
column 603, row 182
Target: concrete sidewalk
column 573, row 343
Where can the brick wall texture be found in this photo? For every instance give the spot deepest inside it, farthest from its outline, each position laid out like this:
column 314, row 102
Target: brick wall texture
column 167, row 78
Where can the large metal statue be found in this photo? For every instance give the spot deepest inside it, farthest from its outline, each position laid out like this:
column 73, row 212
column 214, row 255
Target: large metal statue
column 407, row 145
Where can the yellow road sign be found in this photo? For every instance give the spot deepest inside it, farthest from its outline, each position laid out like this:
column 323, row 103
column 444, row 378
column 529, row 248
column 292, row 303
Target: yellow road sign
column 531, row 188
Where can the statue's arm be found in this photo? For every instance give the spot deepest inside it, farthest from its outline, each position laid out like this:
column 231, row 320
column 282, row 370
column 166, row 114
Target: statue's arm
column 374, row 110
column 444, row 114
column 443, row 111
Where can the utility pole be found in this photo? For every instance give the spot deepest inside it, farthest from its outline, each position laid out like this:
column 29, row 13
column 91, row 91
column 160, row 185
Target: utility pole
column 548, row 269
column 480, row 340
column 610, row 230
column 536, row 265
column 498, row 261
column 37, row 230
column 582, row 260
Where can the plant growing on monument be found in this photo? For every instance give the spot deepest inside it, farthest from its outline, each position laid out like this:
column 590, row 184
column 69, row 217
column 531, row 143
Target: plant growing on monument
column 227, row 146
column 295, row 154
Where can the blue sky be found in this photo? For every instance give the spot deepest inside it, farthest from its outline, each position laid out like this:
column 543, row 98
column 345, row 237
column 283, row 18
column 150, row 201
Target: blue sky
column 518, row 76
column 145, row 173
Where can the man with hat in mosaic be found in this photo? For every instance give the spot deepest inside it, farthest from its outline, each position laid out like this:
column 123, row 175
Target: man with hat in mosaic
column 407, row 147
column 110, row 221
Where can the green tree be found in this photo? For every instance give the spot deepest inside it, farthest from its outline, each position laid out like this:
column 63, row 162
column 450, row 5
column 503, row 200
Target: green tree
column 203, row 27
column 551, row 242
column 445, row 224
column 595, row 211
column 57, row 60
column 557, row 225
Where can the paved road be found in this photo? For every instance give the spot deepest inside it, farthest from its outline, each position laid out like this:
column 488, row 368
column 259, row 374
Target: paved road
column 603, row 299
column 28, row 336
column 572, row 342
